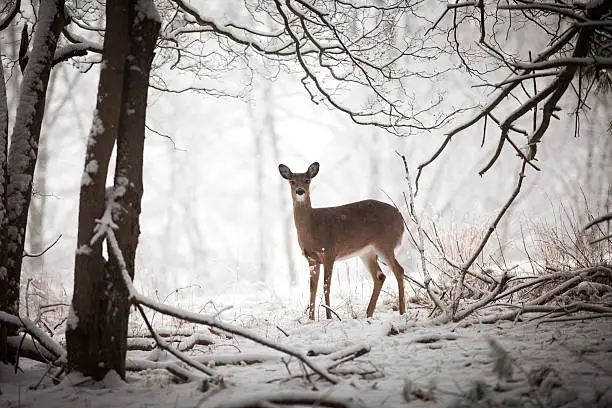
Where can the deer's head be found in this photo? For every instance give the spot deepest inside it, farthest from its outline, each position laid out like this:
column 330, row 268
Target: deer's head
column 300, row 182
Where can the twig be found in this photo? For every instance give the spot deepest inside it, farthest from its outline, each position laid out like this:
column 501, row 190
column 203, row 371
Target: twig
column 331, row 310
column 282, row 331
column 421, row 245
column 27, row 255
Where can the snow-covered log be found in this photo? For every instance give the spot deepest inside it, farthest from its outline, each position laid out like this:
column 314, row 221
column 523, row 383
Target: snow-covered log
column 41, row 337
column 292, row 398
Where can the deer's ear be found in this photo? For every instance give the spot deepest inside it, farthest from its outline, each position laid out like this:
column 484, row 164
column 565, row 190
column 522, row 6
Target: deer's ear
column 285, row 172
column 313, row 170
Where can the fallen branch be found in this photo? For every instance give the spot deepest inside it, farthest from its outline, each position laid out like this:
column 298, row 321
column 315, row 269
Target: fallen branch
column 28, row 348
column 138, row 300
column 462, row 314
column 162, row 344
column 180, row 372
column 59, row 354
column 268, row 398
column 533, row 308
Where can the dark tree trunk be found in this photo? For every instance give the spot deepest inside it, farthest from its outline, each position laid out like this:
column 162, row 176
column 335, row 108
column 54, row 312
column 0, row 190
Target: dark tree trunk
column 97, row 333
column 24, row 140
column 128, row 188
column 86, row 336
column 3, row 210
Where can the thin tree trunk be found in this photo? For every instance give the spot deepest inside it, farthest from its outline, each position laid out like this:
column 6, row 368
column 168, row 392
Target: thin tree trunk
column 3, row 211
column 23, row 150
column 259, row 196
column 86, row 338
column 287, row 223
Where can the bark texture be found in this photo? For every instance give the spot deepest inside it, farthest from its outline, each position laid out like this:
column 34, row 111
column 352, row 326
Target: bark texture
column 86, row 339
column 3, row 211
column 97, row 330
column 23, row 150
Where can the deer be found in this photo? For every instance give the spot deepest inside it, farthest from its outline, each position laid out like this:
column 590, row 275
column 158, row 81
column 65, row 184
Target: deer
column 369, row 229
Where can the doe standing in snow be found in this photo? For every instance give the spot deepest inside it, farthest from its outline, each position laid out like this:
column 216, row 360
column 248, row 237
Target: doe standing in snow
column 369, row 229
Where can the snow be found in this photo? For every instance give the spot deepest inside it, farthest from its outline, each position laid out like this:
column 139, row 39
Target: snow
column 147, row 9
column 409, row 358
column 83, row 250
column 73, row 321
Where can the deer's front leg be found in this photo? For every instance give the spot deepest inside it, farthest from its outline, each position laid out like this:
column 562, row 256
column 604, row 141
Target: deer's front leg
column 315, row 269
column 328, row 266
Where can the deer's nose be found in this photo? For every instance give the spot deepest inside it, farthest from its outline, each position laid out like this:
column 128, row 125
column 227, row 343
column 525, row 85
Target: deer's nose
column 300, row 191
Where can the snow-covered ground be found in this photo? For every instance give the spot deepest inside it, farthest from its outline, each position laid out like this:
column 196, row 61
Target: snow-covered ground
column 567, row 363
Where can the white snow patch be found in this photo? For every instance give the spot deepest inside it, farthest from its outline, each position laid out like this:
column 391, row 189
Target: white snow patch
column 146, row 9
column 92, row 167
column 113, row 380
column 72, row 321
column 97, row 128
column 83, row 250
column 86, row 179
column 3, row 272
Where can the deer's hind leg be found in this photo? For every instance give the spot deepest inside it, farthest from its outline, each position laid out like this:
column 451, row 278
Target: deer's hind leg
column 370, row 260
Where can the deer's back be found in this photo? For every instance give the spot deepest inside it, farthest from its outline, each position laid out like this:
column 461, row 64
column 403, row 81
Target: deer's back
column 350, row 228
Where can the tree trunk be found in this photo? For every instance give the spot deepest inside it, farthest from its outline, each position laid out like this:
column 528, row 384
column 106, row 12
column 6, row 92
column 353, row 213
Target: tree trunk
column 86, row 336
column 3, row 211
column 97, row 329
column 24, row 140
column 288, row 237
column 128, row 187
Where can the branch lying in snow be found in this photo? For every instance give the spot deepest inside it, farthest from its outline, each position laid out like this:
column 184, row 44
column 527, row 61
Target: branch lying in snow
column 105, row 227
column 184, row 343
column 41, row 337
column 180, row 372
column 25, row 346
column 162, row 344
column 533, row 308
column 270, row 399
column 211, row 361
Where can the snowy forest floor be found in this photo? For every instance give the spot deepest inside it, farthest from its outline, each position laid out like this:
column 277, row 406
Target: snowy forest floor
column 411, row 363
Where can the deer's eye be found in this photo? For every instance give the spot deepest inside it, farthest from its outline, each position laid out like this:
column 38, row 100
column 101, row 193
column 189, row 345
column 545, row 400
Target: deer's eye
column 292, row 182
column 307, row 181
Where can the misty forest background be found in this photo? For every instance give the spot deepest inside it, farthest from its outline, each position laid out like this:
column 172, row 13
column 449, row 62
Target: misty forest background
column 215, row 211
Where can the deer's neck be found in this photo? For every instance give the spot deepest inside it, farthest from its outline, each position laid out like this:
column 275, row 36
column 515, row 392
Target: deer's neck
column 302, row 214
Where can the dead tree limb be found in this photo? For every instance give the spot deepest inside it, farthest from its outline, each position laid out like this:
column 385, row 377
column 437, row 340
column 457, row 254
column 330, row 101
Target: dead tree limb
column 421, row 242
column 105, row 228
column 41, row 337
